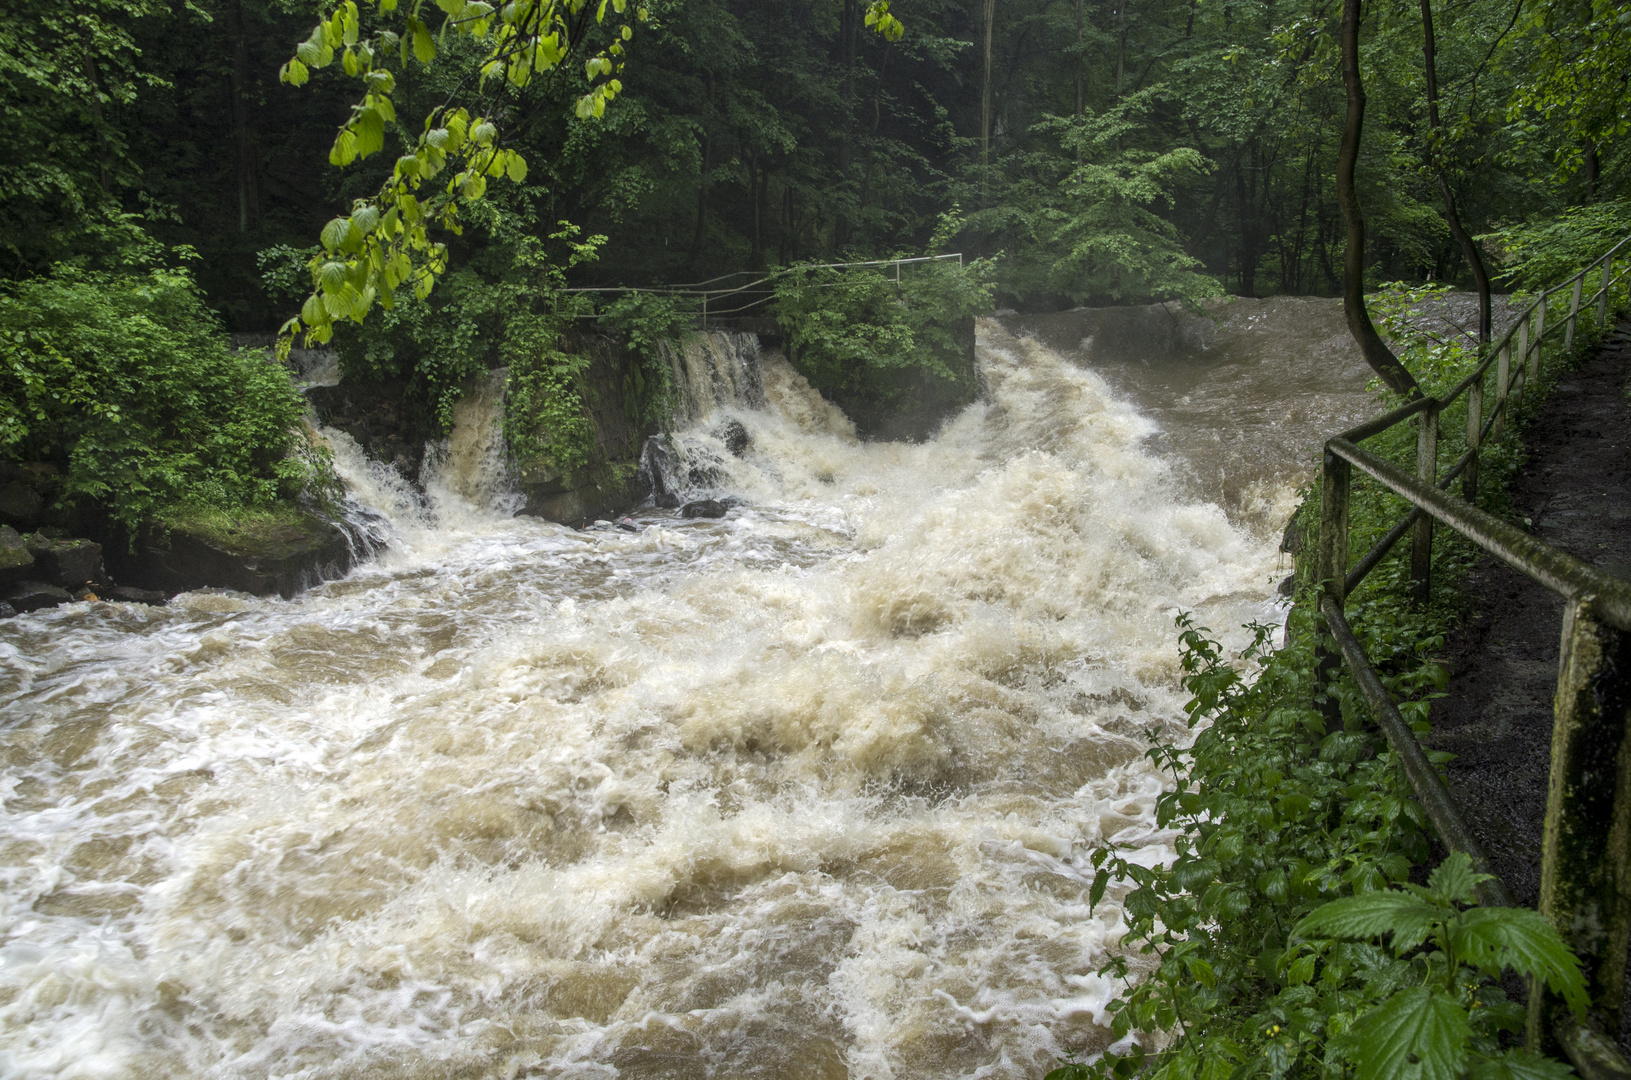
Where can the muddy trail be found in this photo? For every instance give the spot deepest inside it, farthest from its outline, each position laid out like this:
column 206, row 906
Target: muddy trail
column 1575, row 493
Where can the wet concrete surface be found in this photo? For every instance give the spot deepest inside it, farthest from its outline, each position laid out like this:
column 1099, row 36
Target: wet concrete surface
column 1575, row 491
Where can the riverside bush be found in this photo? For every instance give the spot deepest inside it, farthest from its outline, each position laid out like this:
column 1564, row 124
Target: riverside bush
column 860, row 334
column 126, row 383
column 1297, row 836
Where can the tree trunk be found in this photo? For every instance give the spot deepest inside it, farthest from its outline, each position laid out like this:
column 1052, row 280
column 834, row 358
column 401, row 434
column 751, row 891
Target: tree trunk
column 985, row 86
column 243, row 138
column 1079, row 87
column 1435, row 143
column 1371, row 346
column 1588, row 169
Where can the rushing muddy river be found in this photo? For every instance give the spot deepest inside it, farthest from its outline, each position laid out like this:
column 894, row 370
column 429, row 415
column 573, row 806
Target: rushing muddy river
column 805, row 792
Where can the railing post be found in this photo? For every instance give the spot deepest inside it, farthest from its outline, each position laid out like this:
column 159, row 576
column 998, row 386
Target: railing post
column 1540, row 341
column 1475, row 439
column 1602, row 297
column 1331, row 569
column 1585, row 869
column 1421, row 533
column 1503, row 387
column 1574, row 311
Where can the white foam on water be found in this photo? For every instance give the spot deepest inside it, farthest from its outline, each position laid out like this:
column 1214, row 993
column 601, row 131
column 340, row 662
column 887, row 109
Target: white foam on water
column 805, row 792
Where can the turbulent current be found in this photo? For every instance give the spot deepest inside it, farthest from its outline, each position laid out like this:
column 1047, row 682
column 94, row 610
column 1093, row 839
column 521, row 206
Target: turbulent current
column 805, row 792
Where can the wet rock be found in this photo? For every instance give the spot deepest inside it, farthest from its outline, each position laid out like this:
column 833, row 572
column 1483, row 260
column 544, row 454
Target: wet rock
column 1288, row 586
column 703, row 508
column 15, row 559
column 628, row 525
column 666, row 501
column 20, row 504
column 284, row 555
column 129, row 594
column 34, row 595
column 385, row 419
column 69, row 563
column 6, row 610
column 734, row 436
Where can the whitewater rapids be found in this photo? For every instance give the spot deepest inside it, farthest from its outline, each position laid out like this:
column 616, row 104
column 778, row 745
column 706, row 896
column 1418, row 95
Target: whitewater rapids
column 805, row 792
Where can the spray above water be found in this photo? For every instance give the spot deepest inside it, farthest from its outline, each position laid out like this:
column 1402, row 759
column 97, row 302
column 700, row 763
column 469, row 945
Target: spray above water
column 806, row 792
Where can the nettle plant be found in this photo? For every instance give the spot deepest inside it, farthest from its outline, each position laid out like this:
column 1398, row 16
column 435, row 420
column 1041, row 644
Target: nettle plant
column 1284, row 939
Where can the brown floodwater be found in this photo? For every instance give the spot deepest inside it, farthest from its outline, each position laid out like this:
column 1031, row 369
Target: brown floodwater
column 807, row 791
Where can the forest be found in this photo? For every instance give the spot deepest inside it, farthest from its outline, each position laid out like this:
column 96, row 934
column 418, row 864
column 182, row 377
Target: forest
column 181, row 161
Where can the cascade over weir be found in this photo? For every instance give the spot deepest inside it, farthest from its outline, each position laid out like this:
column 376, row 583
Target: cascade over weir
column 808, row 790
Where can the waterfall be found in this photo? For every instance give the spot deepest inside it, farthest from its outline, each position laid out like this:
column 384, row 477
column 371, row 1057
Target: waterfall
column 471, row 467
column 809, row 790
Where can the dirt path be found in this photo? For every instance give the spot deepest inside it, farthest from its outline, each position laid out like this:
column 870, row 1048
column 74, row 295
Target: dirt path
column 1497, row 719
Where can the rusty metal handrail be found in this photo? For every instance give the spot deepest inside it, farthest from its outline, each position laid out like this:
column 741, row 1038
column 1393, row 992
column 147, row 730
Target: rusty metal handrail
column 1557, row 570
column 1586, row 852
column 699, row 289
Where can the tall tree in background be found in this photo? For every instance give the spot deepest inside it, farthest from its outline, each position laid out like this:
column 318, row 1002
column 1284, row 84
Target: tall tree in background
column 1371, row 346
column 1436, row 153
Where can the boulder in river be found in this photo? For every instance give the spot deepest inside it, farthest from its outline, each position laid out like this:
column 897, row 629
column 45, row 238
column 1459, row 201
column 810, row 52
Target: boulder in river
column 69, row 563
column 284, row 554
column 16, row 561
column 735, row 436
column 20, row 504
column 703, row 508
column 34, row 595
column 129, row 594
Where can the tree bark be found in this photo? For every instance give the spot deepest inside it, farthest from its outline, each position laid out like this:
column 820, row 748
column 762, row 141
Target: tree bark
column 1371, row 346
column 243, row 138
column 1435, row 143
column 985, row 88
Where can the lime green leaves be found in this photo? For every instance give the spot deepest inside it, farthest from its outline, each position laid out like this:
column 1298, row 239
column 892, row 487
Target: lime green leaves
column 879, row 19
column 384, row 244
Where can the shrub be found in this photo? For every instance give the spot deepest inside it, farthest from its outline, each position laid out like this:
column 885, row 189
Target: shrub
column 126, row 382
column 861, row 334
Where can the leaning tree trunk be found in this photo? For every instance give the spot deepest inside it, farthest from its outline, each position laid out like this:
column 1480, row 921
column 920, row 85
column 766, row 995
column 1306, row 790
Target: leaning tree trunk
column 1435, row 142
column 1371, row 345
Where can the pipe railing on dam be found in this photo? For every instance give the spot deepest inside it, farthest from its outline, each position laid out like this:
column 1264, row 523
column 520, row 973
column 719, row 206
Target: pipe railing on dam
column 1585, row 887
column 758, row 291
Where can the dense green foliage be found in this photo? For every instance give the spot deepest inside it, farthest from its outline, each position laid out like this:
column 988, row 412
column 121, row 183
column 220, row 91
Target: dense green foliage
column 1121, row 141
column 1297, row 836
column 869, row 332
column 124, row 381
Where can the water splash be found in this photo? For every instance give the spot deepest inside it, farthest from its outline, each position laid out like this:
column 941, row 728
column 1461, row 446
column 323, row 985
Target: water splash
column 809, row 790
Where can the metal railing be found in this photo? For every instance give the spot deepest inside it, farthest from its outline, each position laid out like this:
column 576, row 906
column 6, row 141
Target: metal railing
column 1586, row 848
column 756, row 292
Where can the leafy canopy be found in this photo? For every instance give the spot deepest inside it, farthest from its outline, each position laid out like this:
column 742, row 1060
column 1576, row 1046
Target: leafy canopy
column 385, row 243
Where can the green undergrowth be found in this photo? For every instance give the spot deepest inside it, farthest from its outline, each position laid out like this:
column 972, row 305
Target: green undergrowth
column 1263, row 948
column 264, row 532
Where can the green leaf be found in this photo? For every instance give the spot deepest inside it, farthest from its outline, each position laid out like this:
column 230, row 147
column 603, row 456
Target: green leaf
column 344, row 150
column 335, row 232
column 294, row 73
column 1372, row 915
column 370, row 128
column 1414, row 1035
column 1518, row 1065
column 516, row 167
column 1101, row 881
column 1453, row 880
column 332, row 277
column 1492, row 938
column 424, row 46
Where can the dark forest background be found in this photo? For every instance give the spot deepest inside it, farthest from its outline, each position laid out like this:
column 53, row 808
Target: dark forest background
column 1110, row 150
